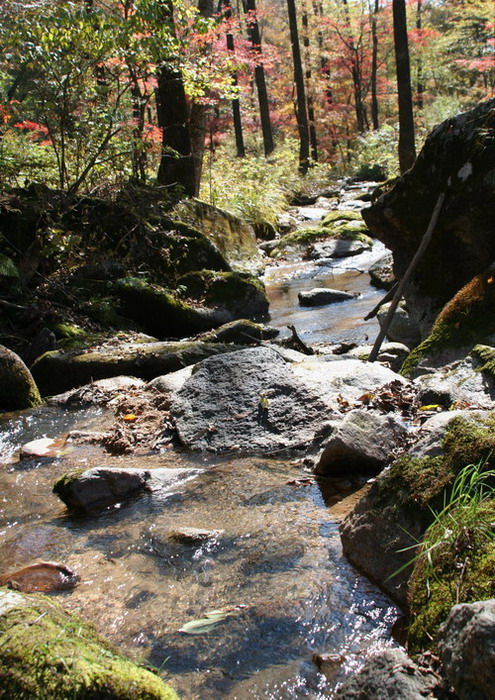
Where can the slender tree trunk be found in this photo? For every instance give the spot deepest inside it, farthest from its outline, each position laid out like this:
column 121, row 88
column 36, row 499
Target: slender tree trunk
column 199, row 116
column 311, row 110
column 407, row 150
column 176, row 169
column 419, row 64
column 361, row 117
column 374, row 66
column 236, row 106
column 259, row 76
column 302, row 116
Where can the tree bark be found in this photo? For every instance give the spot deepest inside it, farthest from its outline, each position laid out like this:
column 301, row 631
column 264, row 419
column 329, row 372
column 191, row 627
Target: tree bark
column 357, row 80
column 236, row 106
column 259, row 77
column 374, row 66
column 311, row 109
column 407, row 150
column 302, row 116
column 419, row 84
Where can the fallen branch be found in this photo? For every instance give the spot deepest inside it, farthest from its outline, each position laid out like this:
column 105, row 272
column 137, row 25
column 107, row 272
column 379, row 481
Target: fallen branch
column 398, row 294
column 296, row 340
column 382, row 301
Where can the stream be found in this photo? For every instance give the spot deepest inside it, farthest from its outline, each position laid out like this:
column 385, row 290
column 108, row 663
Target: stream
column 274, row 564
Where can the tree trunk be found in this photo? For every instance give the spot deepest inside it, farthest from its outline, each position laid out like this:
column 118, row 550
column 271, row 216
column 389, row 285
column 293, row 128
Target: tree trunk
column 259, row 76
column 302, row 117
column 361, row 116
column 311, row 110
column 176, row 168
column 407, row 150
column 419, row 84
column 236, row 106
column 374, row 67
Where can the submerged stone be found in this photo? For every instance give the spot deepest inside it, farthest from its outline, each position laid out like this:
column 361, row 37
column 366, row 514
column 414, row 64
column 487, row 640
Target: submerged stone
column 320, row 296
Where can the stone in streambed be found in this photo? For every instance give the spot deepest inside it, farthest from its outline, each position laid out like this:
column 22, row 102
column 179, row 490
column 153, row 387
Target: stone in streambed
column 389, row 674
column 194, row 535
column 467, row 649
column 44, row 576
column 46, row 447
column 320, row 296
column 362, row 442
column 46, row 652
column 85, row 490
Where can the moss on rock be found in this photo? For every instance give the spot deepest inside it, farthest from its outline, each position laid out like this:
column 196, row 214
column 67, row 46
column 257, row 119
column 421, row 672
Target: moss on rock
column 46, row 653
column 465, row 321
column 335, row 228
column 241, row 293
column 18, row 389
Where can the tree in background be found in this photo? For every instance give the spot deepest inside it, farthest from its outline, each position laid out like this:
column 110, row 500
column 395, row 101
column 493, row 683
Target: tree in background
column 301, row 113
column 407, row 148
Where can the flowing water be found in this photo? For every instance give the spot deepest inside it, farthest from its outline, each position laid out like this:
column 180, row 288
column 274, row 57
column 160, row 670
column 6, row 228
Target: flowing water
column 273, row 563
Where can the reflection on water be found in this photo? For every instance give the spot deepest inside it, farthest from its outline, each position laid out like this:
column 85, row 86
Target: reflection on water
column 276, row 564
column 338, row 322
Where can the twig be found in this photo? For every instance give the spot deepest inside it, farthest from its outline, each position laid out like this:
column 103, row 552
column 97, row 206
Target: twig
column 383, row 301
column 398, row 294
column 299, row 343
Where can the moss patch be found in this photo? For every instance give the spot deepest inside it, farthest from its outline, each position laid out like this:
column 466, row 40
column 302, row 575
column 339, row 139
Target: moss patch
column 337, row 215
column 47, row 653
column 18, row 389
column 465, row 321
column 63, row 482
column 306, row 236
column 230, row 289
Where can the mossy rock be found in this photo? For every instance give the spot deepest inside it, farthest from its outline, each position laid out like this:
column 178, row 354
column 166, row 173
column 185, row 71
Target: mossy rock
column 158, row 311
column 242, row 294
column 341, row 215
column 380, row 534
column 45, row 653
column 241, row 332
column 465, row 321
column 463, row 572
column 348, row 227
column 18, row 389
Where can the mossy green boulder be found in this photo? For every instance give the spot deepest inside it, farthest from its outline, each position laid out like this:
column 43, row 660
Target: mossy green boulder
column 18, row 389
column 241, row 294
column 47, row 653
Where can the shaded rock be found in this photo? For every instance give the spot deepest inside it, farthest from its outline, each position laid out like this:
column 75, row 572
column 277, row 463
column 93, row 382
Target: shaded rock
column 362, row 442
column 231, row 295
column 234, row 238
column 467, row 649
column 44, row 576
column 382, row 273
column 90, row 489
column 43, row 342
column 402, row 329
column 17, row 387
column 389, row 674
column 241, row 332
column 319, row 296
column 394, row 514
column 36, row 633
column 459, row 156
column 57, row 371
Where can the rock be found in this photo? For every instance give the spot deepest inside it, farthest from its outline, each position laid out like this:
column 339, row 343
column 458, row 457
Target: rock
column 395, row 512
column 234, row 238
column 36, row 634
column 389, row 674
column 169, row 383
column 382, row 273
column 362, row 442
column 18, row 389
column 59, row 371
column 319, row 296
column 340, row 248
column 43, row 342
column 98, row 392
column 394, row 354
column 286, row 222
column 467, row 649
column 44, row 447
column 86, row 490
column 402, row 329
column 249, row 401
column 230, row 295
column 253, row 400
column 194, row 535
column 458, row 156
column 44, row 576
column 241, row 332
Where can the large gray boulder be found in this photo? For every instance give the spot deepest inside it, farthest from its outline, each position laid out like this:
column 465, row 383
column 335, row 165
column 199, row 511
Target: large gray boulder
column 362, row 442
column 17, row 387
column 467, row 649
column 458, row 158
column 389, row 675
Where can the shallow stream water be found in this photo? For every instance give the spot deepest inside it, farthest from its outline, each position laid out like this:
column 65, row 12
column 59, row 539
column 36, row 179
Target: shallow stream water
column 275, row 564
